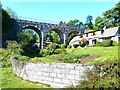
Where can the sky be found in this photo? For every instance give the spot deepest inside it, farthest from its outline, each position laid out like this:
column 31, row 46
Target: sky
column 54, row 12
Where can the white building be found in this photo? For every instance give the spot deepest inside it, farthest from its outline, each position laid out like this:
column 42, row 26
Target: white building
column 94, row 36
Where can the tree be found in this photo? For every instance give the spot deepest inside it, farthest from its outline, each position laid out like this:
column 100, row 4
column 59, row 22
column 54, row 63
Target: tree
column 111, row 18
column 88, row 24
column 53, row 37
column 98, row 23
column 11, row 13
column 27, row 38
column 7, row 22
column 73, row 23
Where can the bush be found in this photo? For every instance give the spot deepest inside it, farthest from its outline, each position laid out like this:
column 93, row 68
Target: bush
column 52, row 46
column 107, row 43
column 74, row 58
column 105, row 75
column 57, row 45
column 14, row 47
column 98, row 44
column 63, row 45
column 75, row 45
column 5, row 58
column 82, row 45
column 115, row 44
column 69, row 46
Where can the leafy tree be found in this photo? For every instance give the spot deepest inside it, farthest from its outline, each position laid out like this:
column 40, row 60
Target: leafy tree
column 98, row 23
column 7, row 22
column 53, row 37
column 11, row 13
column 111, row 18
column 27, row 38
column 88, row 24
column 72, row 22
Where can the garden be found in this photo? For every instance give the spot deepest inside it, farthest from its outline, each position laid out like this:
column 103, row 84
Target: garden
column 99, row 56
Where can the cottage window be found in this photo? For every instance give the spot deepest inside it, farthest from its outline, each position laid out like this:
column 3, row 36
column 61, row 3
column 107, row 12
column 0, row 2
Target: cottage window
column 81, row 36
column 93, row 33
column 86, row 35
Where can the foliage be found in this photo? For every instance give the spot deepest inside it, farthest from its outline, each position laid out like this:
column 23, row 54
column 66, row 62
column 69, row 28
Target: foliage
column 7, row 22
column 105, row 75
column 69, row 46
column 63, row 45
column 27, row 38
column 14, row 47
column 11, row 13
column 111, row 18
column 71, row 35
column 75, row 45
column 74, row 58
column 88, row 24
column 82, row 45
column 53, row 37
column 45, row 52
column 5, row 55
column 98, row 44
column 107, row 43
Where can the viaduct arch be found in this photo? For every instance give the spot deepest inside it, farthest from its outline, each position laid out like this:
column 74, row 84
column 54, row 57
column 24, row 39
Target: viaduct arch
column 42, row 29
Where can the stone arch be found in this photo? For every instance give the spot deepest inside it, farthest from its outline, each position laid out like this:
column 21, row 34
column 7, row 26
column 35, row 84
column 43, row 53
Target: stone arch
column 75, row 33
column 33, row 28
column 59, row 32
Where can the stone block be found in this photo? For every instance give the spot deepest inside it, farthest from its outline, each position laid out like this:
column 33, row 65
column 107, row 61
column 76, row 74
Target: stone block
column 70, row 66
column 66, row 81
column 61, row 75
column 65, row 71
column 69, row 76
column 53, row 74
column 39, row 73
column 44, row 69
column 61, row 66
column 49, row 79
column 57, row 70
column 45, row 74
column 57, row 80
column 74, row 72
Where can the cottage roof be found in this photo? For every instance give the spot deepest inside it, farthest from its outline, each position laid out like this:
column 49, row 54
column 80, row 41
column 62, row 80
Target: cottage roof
column 110, row 32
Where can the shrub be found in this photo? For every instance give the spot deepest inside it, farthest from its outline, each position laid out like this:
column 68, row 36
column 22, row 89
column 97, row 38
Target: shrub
column 107, row 43
column 115, row 43
column 57, row 45
column 69, row 46
column 5, row 55
column 75, row 45
column 74, row 58
column 14, row 47
column 105, row 75
column 52, row 46
column 63, row 45
column 82, row 45
column 98, row 44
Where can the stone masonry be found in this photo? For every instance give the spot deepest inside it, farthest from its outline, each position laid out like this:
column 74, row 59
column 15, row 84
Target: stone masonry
column 57, row 75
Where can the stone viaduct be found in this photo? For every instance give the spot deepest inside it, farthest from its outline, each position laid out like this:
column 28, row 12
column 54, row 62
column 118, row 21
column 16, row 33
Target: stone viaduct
column 42, row 29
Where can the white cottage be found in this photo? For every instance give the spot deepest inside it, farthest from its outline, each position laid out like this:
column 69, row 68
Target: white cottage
column 100, row 35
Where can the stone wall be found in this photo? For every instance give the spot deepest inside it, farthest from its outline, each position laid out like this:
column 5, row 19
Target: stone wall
column 55, row 74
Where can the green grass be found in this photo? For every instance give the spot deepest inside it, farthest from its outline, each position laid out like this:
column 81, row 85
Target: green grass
column 9, row 80
column 107, row 53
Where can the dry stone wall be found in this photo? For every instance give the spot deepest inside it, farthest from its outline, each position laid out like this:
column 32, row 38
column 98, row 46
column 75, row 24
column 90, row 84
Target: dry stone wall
column 56, row 74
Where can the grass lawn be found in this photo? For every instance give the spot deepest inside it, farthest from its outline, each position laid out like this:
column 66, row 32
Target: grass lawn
column 9, row 80
column 105, row 53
